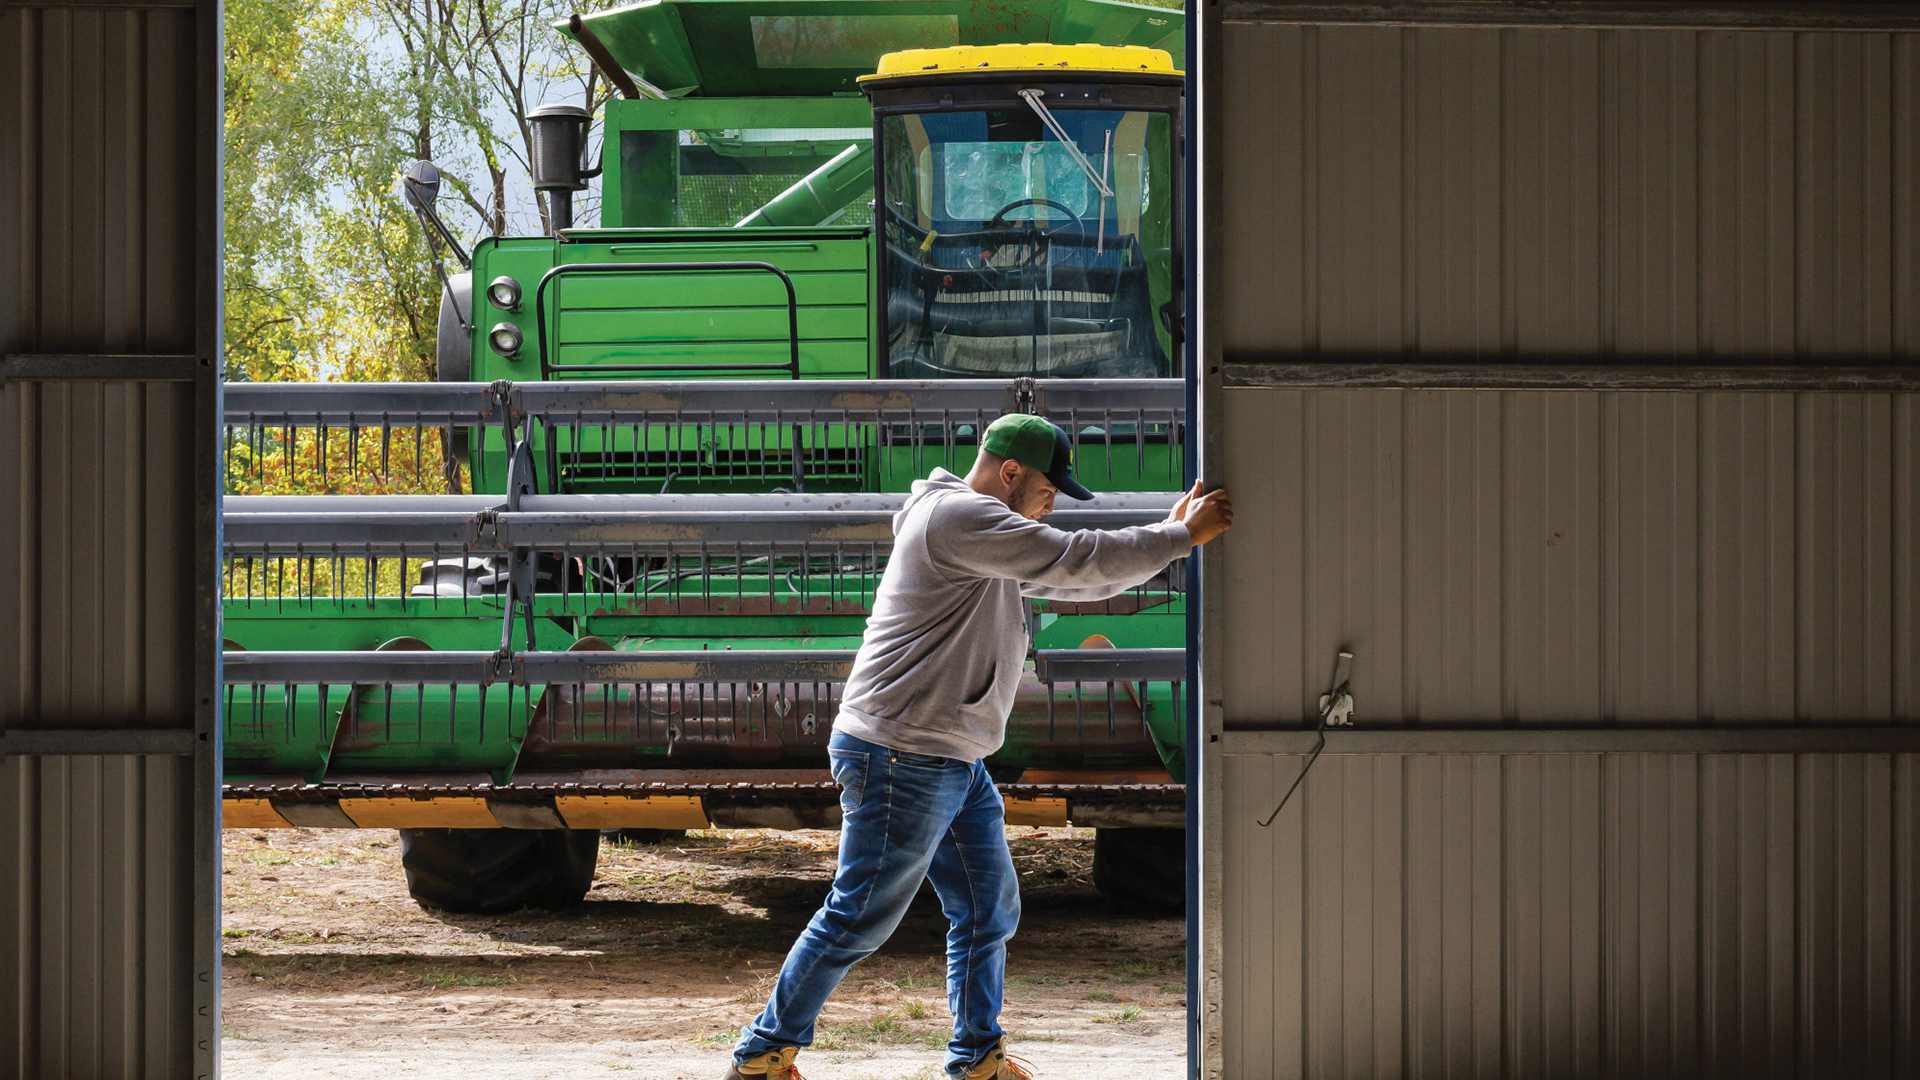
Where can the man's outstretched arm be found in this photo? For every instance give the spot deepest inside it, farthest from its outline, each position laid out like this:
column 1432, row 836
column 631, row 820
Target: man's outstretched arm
column 975, row 538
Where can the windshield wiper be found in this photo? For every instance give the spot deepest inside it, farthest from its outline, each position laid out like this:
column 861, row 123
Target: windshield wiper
column 1080, row 159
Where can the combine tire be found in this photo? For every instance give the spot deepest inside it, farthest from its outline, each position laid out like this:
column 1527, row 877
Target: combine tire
column 643, row 837
column 1141, row 871
column 491, row 871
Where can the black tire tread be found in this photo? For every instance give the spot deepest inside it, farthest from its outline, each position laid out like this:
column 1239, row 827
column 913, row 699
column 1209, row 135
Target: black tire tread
column 492, row 871
column 1142, row 871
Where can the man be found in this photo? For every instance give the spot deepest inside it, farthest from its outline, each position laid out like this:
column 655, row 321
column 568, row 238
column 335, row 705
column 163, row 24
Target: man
column 928, row 698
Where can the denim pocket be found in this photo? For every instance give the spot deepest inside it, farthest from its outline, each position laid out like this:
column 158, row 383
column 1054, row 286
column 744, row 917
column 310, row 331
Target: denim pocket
column 850, row 772
column 925, row 761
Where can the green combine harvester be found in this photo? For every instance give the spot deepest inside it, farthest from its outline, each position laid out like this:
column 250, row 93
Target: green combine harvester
column 837, row 238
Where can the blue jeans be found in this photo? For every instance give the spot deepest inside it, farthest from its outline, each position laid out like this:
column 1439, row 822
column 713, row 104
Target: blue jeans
column 904, row 818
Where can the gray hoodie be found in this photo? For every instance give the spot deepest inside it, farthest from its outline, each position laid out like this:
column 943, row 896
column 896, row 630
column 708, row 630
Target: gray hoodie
column 944, row 647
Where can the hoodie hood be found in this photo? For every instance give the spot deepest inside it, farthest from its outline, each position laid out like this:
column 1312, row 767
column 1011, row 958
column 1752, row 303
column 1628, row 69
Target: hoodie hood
column 940, row 481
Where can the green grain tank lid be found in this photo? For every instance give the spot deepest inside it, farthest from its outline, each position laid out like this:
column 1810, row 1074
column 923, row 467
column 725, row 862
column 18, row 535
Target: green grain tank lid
column 809, row 48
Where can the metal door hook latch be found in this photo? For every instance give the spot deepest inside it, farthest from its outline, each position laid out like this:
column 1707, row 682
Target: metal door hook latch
column 1336, row 705
column 1336, row 708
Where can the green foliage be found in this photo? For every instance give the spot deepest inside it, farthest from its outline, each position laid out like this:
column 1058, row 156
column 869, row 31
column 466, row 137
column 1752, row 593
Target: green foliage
column 329, row 275
column 326, row 276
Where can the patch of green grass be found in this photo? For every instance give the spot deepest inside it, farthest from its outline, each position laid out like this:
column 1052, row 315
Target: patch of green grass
column 1102, row 995
column 269, row 857
column 721, row 1038
column 1037, row 980
column 230, row 932
column 935, row 1041
column 618, row 1067
column 1126, row 1015
column 878, row 1028
column 1140, row 969
column 1172, row 988
column 914, row 1009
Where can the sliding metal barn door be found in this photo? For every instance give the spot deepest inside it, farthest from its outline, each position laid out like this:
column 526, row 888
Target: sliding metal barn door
column 1563, row 370
column 109, row 397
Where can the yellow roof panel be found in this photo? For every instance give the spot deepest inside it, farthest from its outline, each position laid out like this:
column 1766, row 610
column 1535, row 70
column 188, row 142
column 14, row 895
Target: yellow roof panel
column 979, row 59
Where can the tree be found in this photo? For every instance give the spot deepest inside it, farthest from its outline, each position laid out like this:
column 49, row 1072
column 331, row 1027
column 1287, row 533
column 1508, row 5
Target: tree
column 328, row 275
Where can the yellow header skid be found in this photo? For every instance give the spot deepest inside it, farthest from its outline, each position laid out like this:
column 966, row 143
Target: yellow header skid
column 978, row 59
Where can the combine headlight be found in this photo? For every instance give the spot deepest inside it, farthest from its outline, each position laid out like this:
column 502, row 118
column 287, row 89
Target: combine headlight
column 504, row 293
column 505, row 339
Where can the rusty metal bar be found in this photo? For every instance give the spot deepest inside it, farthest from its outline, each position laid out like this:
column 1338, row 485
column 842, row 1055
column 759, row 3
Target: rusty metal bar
column 668, row 401
column 676, row 666
column 331, row 525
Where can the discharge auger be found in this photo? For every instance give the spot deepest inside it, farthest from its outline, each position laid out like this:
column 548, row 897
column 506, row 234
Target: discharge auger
column 685, row 433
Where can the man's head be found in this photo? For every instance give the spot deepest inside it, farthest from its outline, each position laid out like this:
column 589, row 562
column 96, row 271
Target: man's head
column 1025, row 461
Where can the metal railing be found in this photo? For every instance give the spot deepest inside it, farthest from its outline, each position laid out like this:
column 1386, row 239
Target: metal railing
column 647, row 430
column 548, row 368
column 597, row 695
column 645, row 553
column 523, row 556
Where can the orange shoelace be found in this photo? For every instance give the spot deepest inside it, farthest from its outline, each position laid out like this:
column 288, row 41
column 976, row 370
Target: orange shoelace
column 1020, row 1067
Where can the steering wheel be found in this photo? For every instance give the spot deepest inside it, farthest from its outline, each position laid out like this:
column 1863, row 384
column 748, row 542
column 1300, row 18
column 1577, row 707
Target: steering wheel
column 1000, row 217
column 999, row 221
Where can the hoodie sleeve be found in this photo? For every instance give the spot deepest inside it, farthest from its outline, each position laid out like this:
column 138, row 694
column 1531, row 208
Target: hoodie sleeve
column 982, row 538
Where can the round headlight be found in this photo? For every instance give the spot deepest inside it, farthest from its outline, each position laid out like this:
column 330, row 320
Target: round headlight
column 505, row 339
column 504, row 293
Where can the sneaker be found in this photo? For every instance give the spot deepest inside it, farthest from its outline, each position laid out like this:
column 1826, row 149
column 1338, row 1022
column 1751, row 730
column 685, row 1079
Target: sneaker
column 998, row 1065
column 772, row 1065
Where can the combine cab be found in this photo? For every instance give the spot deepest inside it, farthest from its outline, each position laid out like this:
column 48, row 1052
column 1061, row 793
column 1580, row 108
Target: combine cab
column 682, row 434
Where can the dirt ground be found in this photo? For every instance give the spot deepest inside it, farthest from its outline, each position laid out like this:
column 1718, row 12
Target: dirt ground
column 333, row 972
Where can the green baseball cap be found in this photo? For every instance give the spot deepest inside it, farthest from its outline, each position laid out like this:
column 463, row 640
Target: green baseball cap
column 1040, row 445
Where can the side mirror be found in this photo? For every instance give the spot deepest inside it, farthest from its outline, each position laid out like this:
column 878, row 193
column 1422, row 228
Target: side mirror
column 420, row 185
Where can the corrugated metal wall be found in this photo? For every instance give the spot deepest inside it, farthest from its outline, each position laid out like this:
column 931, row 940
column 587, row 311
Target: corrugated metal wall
column 1495, row 322
column 1569, row 193
column 101, row 632
column 109, row 328
column 1573, row 916
column 100, row 961
column 1551, row 556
